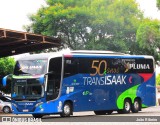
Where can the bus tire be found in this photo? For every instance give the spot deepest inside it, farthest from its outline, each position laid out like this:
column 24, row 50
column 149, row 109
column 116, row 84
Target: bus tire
column 109, row 112
column 126, row 107
column 67, row 110
column 37, row 115
column 120, row 111
column 136, row 106
column 100, row 112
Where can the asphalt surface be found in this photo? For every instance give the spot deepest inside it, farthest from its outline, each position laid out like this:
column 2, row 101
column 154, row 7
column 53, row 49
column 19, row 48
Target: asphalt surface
column 149, row 115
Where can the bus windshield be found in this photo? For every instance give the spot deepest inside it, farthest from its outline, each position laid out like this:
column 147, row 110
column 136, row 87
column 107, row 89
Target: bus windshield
column 30, row 67
column 27, row 89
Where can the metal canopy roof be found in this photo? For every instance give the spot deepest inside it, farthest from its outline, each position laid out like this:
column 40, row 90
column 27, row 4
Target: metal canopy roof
column 15, row 42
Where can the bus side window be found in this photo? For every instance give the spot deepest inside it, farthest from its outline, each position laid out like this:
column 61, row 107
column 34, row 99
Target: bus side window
column 85, row 65
column 70, row 67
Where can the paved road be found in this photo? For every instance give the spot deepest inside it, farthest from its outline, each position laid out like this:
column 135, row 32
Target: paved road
column 150, row 115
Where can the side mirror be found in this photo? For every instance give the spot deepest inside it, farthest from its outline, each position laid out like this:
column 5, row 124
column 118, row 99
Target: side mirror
column 51, row 72
column 42, row 79
column 4, row 80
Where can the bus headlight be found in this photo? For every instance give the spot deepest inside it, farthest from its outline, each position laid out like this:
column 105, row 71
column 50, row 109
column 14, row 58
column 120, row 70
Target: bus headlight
column 42, row 110
column 38, row 104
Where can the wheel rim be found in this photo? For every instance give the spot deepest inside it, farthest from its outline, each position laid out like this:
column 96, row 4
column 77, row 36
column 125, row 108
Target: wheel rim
column 6, row 110
column 127, row 106
column 67, row 109
column 136, row 105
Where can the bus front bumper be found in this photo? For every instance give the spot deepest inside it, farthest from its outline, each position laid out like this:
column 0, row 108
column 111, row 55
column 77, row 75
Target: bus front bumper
column 44, row 108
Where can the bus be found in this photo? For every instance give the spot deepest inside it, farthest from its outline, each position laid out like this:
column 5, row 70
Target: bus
column 99, row 81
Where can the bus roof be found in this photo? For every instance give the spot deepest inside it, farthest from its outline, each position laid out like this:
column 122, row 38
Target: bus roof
column 80, row 53
column 110, row 54
column 97, row 52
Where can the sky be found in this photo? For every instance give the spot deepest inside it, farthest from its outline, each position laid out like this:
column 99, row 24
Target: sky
column 14, row 13
column 149, row 8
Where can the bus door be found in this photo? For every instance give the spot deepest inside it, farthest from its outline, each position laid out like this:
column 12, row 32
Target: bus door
column 54, row 78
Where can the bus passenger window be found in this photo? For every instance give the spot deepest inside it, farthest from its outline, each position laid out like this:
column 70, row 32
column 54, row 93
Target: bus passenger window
column 70, row 67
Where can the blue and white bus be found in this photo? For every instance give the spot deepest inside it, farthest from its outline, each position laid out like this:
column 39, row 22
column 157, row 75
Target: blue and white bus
column 98, row 81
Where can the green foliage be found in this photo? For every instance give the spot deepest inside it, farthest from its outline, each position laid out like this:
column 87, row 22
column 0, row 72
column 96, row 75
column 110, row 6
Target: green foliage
column 69, row 22
column 6, row 67
column 115, row 25
column 148, row 37
column 89, row 24
column 99, row 25
column 158, row 4
column 158, row 80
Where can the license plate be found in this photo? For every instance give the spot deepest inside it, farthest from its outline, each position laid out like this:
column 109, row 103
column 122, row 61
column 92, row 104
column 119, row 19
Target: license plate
column 25, row 110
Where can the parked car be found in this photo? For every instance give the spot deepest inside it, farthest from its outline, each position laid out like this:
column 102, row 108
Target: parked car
column 5, row 104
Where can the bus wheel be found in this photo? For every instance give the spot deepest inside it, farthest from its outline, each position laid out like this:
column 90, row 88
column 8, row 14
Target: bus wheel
column 126, row 107
column 67, row 110
column 135, row 106
column 37, row 115
column 109, row 112
column 100, row 112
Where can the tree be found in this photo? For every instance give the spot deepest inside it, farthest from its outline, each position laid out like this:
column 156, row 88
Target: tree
column 67, row 19
column 148, row 37
column 158, row 4
column 158, row 80
column 6, row 67
column 89, row 24
column 115, row 25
